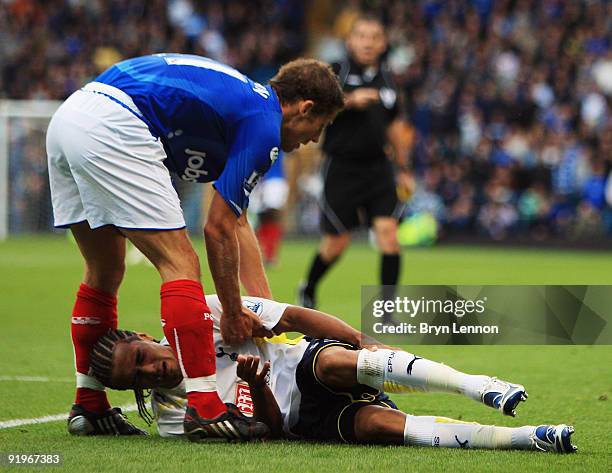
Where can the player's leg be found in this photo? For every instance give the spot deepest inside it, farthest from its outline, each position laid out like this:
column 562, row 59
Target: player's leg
column 400, row 371
column 121, row 180
column 273, row 197
column 185, row 316
column 188, row 327
column 377, row 424
column 331, row 248
column 94, row 313
column 95, row 309
column 339, row 216
column 385, row 230
column 383, row 210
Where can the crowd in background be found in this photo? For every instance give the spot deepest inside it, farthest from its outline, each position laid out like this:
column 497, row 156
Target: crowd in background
column 509, row 100
column 49, row 49
column 511, row 105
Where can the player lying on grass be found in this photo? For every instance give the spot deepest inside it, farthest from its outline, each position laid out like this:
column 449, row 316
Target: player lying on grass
column 318, row 388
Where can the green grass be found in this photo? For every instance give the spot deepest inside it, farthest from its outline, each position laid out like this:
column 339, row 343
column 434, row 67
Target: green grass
column 38, row 277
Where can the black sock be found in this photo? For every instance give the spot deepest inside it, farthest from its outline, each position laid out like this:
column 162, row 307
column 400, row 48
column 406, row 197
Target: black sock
column 317, row 269
column 389, row 270
column 389, row 274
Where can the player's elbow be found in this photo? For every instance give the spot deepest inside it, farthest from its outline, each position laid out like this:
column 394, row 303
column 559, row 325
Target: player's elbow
column 287, row 321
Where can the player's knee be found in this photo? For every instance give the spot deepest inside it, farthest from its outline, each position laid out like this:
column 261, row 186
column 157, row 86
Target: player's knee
column 189, row 263
column 386, row 236
column 332, row 247
column 337, row 367
column 326, row 368
column 371, row 424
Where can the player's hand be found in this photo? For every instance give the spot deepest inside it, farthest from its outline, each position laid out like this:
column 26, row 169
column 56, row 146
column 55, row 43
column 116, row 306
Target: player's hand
column 362, row 97
column 405, row 185
column 236, row 329
column 247, row 370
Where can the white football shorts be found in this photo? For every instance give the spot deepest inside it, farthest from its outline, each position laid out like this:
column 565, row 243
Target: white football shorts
column 269, row 194
column 105, row 166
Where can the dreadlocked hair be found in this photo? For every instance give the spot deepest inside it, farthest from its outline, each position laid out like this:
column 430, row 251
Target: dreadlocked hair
column 101, row 367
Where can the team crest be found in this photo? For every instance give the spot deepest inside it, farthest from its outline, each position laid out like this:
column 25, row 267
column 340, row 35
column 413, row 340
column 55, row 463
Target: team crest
column 253, row 306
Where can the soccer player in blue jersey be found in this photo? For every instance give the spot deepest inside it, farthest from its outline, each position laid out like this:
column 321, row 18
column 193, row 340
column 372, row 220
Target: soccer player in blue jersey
column 111, row 146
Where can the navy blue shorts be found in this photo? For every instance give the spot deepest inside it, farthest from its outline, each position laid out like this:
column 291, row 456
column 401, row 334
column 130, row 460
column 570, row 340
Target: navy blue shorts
column 326, row 414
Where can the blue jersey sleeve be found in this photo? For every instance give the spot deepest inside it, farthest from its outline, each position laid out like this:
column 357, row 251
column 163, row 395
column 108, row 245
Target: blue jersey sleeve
column 255, row 147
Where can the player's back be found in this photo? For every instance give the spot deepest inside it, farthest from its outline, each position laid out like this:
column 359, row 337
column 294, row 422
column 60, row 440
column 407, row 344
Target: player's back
column 194, row 105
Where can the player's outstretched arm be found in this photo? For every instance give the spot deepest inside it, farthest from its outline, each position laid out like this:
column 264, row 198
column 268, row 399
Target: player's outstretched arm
column 317, row 324
column 222, row 251
column 252, row 274
column 264, row 403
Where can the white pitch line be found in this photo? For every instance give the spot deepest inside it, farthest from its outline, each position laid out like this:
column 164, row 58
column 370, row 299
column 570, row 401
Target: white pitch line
column 37, row 379
column 7, row 424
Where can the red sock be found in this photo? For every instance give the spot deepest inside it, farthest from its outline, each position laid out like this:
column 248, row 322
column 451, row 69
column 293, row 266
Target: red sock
column 94, row 313
column 269, row 235
column 264, row 239
column 188, row 327
column 276, row 234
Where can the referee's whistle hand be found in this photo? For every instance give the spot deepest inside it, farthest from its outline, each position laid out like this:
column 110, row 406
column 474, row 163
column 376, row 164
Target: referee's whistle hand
column 362, row 97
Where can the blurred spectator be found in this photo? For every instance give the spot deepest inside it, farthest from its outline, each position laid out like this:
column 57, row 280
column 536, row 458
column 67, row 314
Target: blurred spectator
column 514, row 97
column 511, row 100
column 48, row 49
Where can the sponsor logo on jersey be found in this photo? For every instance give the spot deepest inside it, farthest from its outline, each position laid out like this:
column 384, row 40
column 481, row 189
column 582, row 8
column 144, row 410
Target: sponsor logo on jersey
column 195, row 162
column 244, row 401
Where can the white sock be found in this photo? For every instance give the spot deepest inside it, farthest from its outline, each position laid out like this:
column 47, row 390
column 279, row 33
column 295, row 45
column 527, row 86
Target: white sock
column 430, row 431
column 400, row 371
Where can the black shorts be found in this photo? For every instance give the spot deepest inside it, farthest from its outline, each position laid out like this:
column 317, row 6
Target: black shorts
column 325, row 414
column 354, row 194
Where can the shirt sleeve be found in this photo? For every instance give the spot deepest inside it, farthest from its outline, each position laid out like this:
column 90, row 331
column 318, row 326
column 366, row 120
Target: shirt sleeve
column 269, row 311
column 255, row 147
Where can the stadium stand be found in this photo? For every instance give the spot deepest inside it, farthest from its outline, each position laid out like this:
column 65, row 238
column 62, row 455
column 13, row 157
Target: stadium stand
column 510, row 100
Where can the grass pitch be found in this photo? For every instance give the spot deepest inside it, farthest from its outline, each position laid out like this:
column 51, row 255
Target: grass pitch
column 571, row 384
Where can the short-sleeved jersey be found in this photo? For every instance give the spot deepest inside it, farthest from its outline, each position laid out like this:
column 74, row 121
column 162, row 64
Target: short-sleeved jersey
column 215, row 123
column 359, row 136
column 284, row 356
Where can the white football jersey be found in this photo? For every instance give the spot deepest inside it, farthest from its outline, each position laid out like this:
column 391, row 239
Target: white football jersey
column 282, row 353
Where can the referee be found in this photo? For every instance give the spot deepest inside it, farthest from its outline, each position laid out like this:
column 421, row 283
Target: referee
column 359, row 179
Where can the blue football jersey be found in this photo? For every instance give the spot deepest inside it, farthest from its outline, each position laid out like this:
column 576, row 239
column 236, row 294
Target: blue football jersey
column 215, row 123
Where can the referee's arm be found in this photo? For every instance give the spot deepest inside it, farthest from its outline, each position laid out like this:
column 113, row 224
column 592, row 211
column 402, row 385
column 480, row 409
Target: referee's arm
column 399, row 139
